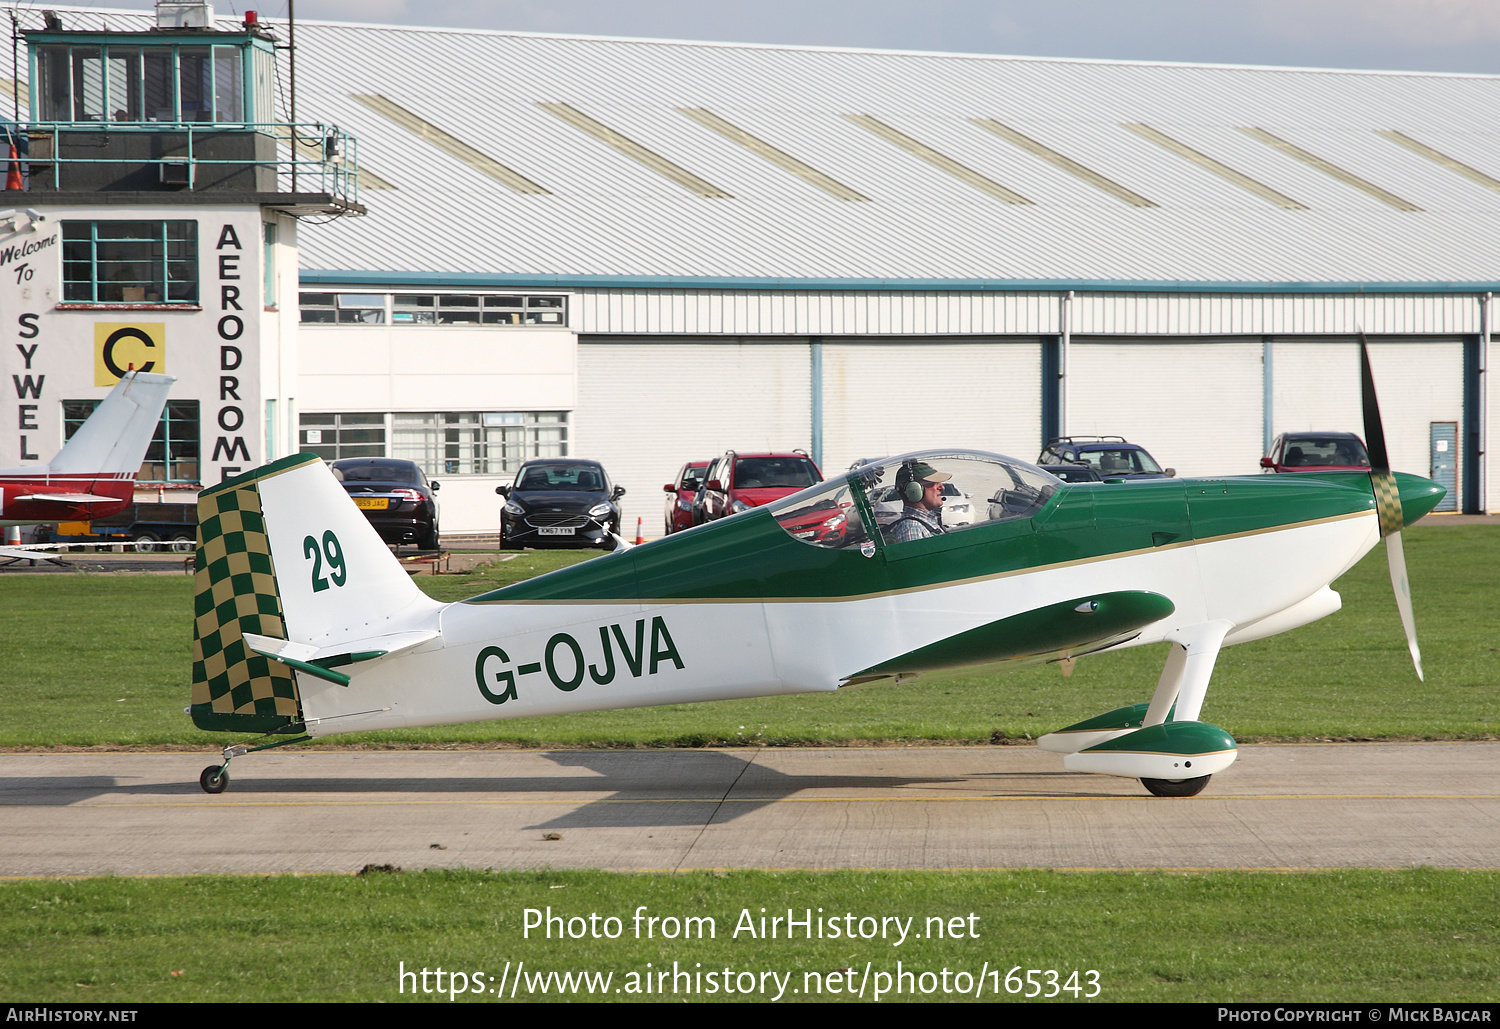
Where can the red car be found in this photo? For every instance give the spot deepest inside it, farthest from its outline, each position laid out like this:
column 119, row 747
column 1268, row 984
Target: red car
column 825, row 523
column 680, row 493
column 741, row 481
column 1316, row 452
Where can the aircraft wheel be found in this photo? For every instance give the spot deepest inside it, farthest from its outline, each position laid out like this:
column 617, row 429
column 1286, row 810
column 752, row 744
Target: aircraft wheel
column 215, row 779
column 1173, row 787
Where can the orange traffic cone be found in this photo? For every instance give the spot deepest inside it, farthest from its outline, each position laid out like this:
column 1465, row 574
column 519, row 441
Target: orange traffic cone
column 638, row 538
column 13, row 176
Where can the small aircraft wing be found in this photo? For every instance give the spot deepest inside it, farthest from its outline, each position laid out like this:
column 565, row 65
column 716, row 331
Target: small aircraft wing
column 18, row 554
column 68, row 498
column 1061, row 630
column 29, row 551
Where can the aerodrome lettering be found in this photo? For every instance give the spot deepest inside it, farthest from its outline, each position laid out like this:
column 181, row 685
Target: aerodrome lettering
column 231, row 327
column 567, row 662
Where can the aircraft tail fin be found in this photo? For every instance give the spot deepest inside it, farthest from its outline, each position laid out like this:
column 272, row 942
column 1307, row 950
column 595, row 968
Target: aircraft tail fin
column 283, row 554
column 115, row 437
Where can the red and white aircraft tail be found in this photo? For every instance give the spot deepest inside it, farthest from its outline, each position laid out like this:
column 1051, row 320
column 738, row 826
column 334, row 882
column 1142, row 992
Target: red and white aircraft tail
column 94, row 473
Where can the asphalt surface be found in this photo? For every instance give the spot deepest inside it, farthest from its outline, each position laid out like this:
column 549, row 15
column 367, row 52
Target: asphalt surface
column 1278, row 807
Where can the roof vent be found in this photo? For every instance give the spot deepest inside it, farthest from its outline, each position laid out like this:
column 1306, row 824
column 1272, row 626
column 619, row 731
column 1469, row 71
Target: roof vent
column 184, row 14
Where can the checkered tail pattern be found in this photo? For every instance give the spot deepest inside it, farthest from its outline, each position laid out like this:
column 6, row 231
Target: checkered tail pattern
column 235, row 689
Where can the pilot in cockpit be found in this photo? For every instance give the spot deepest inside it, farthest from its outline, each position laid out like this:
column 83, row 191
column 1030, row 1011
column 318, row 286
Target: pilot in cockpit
column 919, row 486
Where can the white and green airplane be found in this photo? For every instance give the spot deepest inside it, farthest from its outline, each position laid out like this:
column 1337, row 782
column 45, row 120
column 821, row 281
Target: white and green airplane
column 306, row 626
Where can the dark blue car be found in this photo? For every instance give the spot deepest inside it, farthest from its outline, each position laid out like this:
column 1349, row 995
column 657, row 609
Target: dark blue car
column 1111, row 456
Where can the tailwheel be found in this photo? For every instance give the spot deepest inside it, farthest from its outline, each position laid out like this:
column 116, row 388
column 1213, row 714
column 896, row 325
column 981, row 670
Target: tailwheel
column 1166, row 787
column 215, row 778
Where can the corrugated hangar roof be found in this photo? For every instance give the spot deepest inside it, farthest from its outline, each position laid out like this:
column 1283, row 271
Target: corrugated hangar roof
column 552, row 159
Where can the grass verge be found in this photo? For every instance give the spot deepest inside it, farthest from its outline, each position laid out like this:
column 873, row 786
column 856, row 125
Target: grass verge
column 1399, row 936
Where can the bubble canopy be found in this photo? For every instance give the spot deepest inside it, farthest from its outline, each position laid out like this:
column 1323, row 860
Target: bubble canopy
column 896, row 500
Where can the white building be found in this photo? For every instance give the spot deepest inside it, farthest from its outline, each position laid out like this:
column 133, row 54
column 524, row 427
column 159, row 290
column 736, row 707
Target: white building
column 158, row 231
column 647, row 252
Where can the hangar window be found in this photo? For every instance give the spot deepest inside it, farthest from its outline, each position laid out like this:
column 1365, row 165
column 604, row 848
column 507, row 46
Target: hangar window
column 477, row 309
column 173, row 453
column 343, row 308
column 332, row 436
column 478, row 443
column 142, row 262
column 435, row 309
column 443, row 443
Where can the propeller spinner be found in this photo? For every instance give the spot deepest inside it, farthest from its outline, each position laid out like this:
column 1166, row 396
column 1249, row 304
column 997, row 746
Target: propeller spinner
column 1387, row 502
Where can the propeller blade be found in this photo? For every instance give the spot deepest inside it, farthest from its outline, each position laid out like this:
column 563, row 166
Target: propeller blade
column 1387, row 493
column 1396, row 558
column 1387, row 502
column 1374, row 432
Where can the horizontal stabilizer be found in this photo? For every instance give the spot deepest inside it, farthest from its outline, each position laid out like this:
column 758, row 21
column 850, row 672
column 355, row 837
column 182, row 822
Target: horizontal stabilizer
column 387, row 644
column 1083, row 622
column 318, row 661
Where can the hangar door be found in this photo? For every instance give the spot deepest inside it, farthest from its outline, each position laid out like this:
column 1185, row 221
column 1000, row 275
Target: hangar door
column 890, row 397
column 1196, row 405
column 645, row 408
column 1418, row 382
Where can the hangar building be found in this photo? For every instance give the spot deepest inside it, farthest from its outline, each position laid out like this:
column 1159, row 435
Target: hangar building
column 647, row 252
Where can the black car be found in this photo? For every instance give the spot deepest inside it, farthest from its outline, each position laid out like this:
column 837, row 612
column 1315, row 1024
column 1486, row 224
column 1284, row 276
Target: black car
column 560, row 503
column 396, row 496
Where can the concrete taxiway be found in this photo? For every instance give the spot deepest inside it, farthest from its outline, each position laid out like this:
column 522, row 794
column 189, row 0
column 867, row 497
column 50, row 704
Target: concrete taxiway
column 1279, row 807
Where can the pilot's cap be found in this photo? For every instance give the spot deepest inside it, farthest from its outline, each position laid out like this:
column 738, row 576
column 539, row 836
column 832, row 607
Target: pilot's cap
column 921, row 471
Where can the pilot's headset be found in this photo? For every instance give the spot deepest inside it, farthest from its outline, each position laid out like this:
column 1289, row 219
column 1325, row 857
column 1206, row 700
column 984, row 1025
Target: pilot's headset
column 907, row 484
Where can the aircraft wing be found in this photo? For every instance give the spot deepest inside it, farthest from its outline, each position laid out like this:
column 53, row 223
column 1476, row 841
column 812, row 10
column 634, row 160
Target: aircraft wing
column 68, row 498
column 1065, row 629
column 28, row 551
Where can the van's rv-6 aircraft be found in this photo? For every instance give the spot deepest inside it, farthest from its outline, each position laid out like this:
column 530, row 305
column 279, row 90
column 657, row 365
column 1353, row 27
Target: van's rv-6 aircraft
column 306, row 626
column 94, row 473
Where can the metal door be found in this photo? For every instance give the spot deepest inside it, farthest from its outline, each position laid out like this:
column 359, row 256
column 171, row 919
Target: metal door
column 1445, row 462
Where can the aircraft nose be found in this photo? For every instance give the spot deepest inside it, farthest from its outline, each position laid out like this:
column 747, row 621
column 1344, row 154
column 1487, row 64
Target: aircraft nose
column 1418, row 496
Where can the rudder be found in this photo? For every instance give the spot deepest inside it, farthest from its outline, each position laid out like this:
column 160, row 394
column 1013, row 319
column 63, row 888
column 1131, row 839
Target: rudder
column 234, row 583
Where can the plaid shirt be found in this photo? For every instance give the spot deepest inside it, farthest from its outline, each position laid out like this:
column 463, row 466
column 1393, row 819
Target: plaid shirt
column 916, row 523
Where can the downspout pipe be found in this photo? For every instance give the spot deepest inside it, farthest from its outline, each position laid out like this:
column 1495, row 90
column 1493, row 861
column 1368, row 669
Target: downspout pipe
column 1065, row 318
column 1482, row 454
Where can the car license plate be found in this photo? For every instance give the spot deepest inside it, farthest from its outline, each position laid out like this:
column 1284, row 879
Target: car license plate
column 371, row 503
column 555, row 530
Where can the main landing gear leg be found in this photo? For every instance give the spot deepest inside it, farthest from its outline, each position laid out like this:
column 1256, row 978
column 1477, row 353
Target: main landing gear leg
column 1184, row 683
column 215, row 778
